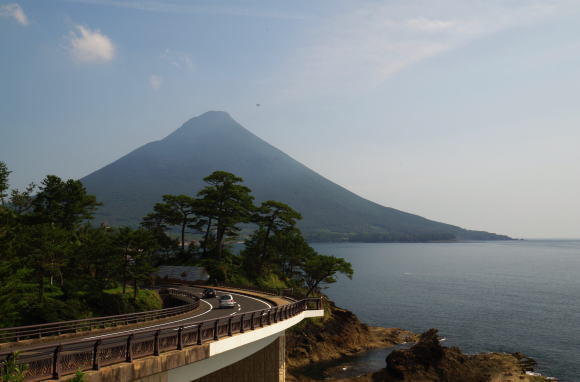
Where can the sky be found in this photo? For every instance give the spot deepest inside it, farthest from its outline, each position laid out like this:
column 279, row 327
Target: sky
column 461, row 111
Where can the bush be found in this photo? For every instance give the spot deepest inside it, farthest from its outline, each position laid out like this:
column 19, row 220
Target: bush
column 79, row 377
column 49, row 310
column 11, row 371
column 113, row 302
column 271, row 281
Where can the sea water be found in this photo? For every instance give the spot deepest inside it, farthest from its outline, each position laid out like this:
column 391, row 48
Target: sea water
column 512, row 296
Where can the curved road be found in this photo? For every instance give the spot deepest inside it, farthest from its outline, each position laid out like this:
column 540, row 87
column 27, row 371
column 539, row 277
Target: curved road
column 208, row 310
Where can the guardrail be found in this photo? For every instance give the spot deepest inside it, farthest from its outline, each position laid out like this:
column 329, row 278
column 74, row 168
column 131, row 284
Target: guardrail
column 55, row 361
column 289, row 293
column 63, row 327
column 283, row 292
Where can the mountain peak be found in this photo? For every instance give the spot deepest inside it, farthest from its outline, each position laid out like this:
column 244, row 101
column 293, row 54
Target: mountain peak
column 212, row 117
column 130, row 186
column 211, row 122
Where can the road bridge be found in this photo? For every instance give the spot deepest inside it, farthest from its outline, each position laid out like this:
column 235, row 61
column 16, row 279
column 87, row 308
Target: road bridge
column 198, row 343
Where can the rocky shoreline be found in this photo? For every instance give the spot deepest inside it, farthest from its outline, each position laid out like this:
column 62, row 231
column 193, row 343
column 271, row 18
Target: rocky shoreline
column 340, row 333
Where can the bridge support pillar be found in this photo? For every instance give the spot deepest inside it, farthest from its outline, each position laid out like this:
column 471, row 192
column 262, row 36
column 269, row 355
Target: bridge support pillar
column 266, row 365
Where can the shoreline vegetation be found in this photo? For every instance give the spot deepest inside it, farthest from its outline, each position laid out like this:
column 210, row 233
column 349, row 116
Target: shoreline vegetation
column 340, row 333
column 386, row 238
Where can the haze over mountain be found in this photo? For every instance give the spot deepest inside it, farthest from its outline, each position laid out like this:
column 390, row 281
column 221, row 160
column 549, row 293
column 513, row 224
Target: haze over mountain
column 130, row 186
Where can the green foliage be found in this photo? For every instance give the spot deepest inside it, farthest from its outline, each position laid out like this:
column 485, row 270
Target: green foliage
column 273, row 219
column 21, row 201
column 114, row 301
column 319, row 269
column 401, row 237
column 225, row 269
column 138, row 248
column 14, row 284
column 47, row 250
column 176, row 210
column 225, row 203
column 79, row 377
column 55, row 267
column 276, row 216
column 51, row 310
column 11, row 371
column 276, row 255
column 61, row 203
column 271, row 281
column 52, row 266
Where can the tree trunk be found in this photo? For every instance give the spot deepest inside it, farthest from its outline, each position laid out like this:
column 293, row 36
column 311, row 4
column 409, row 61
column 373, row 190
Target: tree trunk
column 125, row 271
column 183, row 237
column 206, row 238
column 220, row 239
column 265, row 247
column 313, row 287
column 135, row 291
column 41, row 287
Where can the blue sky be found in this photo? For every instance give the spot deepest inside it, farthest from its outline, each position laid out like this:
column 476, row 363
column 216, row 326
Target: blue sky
column 462, row 111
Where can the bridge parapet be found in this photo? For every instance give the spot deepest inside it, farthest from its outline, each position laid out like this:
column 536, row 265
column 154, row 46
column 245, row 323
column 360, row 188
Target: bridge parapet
column 63, row 327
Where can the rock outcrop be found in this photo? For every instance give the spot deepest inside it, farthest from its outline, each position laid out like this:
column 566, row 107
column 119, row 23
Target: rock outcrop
column 339, row 333
column 429, row 361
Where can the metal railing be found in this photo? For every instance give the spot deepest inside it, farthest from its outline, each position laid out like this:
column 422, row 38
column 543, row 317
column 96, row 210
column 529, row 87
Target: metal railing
column 55, row 361
column 282, row 292
column 63, row 327
column 288, row 293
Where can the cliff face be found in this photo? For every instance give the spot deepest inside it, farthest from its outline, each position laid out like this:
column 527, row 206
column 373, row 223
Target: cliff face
column 338, row 334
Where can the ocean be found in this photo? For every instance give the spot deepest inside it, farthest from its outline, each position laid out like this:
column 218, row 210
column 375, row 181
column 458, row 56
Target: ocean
column 513, row 296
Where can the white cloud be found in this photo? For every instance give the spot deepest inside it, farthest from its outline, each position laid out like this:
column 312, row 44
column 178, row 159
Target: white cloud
column 15, row 11
column 361, row 48
column 88, row 45
column 179, row 60
column 425, row 24
column 155, row 82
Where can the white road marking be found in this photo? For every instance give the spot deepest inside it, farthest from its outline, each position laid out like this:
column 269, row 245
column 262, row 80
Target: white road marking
column 211, row 307
column 154, row 326
column 239, row 308
column 253, row 298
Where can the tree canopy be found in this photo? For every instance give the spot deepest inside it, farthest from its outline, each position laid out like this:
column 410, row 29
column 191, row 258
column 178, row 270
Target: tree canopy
column 225, row 203
column 56, row 265
column 63, row 203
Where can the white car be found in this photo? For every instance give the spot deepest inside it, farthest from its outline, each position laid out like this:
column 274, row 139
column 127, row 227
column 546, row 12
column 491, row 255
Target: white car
column 227, row 301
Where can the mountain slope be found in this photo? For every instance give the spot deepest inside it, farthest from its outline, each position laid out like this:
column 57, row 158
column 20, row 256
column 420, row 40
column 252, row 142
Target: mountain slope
column 130, row 186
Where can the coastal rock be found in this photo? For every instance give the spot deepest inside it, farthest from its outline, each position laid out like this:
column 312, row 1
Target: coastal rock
column 337, row 334
column 429, row 361
column 340, row 333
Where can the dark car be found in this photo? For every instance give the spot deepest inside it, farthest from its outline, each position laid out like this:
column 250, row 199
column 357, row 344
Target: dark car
column 208, row 293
